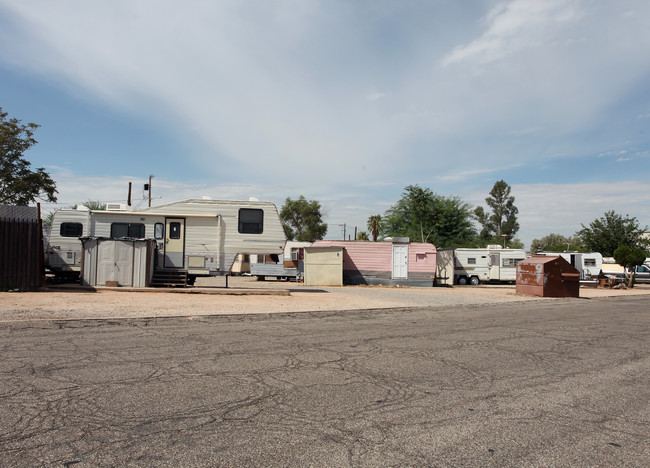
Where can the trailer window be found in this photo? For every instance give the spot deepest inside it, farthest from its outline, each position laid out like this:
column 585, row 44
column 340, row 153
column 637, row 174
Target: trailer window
column 590, row 262
column 134, row 230
column 471, row 261
column 158, row 230
column 511, row 262
column 251, row 221
column 71, row 229
column 174, row 230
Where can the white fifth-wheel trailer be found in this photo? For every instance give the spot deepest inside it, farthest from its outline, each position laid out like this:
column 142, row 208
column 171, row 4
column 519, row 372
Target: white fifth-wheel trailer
column 201, row 236
column 491, row 264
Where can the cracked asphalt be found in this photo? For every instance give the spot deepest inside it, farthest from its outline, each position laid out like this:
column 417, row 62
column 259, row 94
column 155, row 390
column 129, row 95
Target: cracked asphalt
column 539, row 383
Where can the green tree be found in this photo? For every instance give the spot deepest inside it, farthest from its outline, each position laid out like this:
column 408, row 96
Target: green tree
column 19, row 185
column 612, row 230
column 374, row 225
column 503, row 220
column 629, row 258
column 425, row 216
column 363, row 236
column 302, row 220
column 557, row 243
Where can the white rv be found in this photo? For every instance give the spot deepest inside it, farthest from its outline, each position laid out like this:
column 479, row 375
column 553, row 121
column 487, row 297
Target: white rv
column 63, row 247
column 202, row 237
column 491, row 264
column 590, row 264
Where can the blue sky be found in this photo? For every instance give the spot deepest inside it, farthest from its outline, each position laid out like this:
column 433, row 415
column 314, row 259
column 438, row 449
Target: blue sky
column 343, row 102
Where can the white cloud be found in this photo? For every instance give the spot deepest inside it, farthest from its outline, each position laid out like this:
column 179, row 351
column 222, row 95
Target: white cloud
column 515, row 26
column 563, row 208
column 331, row 99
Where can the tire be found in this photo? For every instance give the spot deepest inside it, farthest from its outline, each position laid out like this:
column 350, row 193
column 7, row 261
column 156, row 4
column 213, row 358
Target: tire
column 474, row 281
column 462, row 280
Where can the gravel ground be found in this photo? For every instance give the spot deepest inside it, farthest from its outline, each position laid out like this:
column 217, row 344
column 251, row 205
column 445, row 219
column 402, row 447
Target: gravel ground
column 107, row 303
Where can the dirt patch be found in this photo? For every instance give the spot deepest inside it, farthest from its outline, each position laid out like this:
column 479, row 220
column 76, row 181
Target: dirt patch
column 122, row 304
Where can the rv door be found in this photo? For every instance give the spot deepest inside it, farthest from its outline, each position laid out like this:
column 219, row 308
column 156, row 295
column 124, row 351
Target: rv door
column 495, row 271
column 174, row 242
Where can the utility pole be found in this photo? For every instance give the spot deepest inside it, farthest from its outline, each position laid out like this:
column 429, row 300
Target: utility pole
column 343, row 229
column 128, row 202
column 150, row 177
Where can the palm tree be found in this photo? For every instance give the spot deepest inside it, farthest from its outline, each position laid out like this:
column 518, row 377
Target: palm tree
column 373, row 226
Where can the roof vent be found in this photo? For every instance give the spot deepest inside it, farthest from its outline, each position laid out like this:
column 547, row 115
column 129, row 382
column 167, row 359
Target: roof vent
column 117, row 207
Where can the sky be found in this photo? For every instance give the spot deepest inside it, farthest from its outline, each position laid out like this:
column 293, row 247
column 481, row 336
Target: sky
column 344, row 102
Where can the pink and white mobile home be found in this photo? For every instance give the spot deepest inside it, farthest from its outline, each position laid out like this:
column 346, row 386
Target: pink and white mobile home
column 390, row 262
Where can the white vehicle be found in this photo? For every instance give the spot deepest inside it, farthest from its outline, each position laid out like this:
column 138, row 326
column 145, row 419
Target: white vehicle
column 289, row 266
column 63, row 247
column 491, row 264
column 589, row 264
column 200, row 236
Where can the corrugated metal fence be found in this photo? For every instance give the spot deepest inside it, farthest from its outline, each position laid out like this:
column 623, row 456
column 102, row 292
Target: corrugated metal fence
column 21, row 248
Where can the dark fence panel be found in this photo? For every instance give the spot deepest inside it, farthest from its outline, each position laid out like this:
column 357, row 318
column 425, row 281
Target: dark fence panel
column 21, row 249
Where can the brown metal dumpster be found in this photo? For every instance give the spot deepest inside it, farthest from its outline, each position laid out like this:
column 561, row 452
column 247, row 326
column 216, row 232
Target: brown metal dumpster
column 547, row 276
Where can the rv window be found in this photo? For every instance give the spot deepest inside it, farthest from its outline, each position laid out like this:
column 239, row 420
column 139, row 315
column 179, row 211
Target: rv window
column 251, row 221
column 119, row 230
column 174, row 230
column 471, row 261
column 590, row 262
column 71, row 229
column 158, row 230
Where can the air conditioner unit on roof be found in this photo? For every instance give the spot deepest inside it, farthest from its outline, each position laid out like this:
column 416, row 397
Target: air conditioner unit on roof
column 117, row 207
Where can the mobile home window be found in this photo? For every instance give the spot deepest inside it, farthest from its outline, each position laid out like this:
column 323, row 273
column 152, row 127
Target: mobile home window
column 471, row 261
column 251, row 221
column 71, row 229
column 158, row 230
column 135, row 230
column 590, row 262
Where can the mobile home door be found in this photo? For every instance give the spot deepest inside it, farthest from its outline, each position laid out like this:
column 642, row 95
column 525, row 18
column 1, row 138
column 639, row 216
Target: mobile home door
column 174, row 242
column 400, row 261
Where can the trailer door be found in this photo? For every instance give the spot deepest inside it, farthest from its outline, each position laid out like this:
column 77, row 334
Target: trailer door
column 400, row 261
column 174, row 242
column 495, row 266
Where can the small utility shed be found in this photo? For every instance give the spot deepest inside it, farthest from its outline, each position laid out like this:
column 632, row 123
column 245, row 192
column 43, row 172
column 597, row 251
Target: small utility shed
column 547, row 276
column 391, row 262
column 323, row 266
column 123, row 262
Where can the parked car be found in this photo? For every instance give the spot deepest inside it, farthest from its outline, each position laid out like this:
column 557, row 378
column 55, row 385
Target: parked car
column 641, row 273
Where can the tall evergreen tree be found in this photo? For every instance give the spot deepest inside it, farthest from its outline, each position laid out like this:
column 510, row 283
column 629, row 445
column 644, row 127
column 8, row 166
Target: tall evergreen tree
column 503, row 219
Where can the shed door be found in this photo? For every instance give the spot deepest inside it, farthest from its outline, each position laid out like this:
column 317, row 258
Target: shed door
column 105, row 262
column 495, row 263
column 115, row 262
column 400, row 261
column 124, row 263
column 174, row 242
